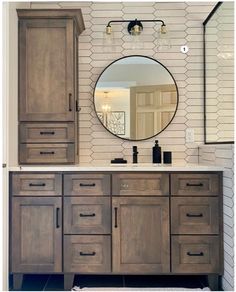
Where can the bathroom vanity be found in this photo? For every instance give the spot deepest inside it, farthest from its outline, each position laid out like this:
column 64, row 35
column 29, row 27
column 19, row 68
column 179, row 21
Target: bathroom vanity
column 116, row 220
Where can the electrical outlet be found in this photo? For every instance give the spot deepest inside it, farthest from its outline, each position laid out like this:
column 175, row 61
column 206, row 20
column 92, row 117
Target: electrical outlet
column 189, row 135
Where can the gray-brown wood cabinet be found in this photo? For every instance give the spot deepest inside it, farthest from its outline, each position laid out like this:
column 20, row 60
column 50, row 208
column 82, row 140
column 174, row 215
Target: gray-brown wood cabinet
column 48, row 90
column 116, row 223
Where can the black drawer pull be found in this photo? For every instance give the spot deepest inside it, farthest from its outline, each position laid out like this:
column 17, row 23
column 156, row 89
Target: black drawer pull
column 46, row 152
column 87, row 215
column 57, row 217
column 37, row 185
column 194, row 185
column 87, row 254
column 115, row 209
column 47, row 133
column 194, row 215
column 200, row 254
column 70, row 101
column 87, row 185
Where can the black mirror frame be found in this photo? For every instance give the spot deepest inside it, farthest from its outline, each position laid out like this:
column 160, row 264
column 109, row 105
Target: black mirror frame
column 204, row 74
column 156, row 62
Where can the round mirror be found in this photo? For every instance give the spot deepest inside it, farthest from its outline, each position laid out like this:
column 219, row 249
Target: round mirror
column 135, row 98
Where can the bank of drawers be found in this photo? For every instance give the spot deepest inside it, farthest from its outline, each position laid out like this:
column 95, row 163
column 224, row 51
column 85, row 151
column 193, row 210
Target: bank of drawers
column 46, row 143
column 195, row 223
column 87, row 223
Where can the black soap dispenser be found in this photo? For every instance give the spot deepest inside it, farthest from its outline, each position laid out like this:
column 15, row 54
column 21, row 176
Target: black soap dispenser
column 156, row 153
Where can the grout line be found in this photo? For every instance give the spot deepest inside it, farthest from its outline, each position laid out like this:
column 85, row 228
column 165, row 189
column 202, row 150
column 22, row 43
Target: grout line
column 46, row 283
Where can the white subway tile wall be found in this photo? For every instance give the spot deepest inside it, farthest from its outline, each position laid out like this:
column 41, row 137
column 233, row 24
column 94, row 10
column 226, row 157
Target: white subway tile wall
column 220, row 74
column 184, row 21
column 224, row 155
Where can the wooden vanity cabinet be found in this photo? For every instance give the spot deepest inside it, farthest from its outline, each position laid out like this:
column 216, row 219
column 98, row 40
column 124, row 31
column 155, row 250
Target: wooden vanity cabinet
column 116, row 223
column 48, row 101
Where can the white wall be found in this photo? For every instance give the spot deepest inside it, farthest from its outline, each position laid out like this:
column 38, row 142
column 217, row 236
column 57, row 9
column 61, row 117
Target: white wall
column 224, row 155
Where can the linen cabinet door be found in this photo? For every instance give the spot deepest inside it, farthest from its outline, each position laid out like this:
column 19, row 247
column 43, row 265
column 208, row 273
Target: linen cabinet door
column 46, row 89
column 140, row 235
column 36, row 238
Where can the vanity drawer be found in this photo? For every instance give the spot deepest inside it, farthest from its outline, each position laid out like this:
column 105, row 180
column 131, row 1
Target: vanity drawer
column 42, row 184
column 194, row 215
column 87, row 184
column 192, row 184
column 46, row 132
column 87, row 253
column 87, row 215
column 46, row 153
column 140, row 184
column 195, row 254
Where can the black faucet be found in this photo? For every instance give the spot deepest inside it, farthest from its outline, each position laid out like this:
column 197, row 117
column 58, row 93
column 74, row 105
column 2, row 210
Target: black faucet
column 135, row 154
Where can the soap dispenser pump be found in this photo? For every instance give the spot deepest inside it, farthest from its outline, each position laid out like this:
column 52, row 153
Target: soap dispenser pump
column 156, row 153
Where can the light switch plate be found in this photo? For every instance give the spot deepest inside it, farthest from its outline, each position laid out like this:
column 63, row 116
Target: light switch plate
column 189, row 135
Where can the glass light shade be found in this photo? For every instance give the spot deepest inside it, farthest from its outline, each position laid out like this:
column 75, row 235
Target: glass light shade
column 108, row 40
column 163, row 39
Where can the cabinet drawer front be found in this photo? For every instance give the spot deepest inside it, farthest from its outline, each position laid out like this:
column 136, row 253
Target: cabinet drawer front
column 49, row 133
column 36, row 184
column 192, row 184
column 140, row 184
column 87, row 254
column 87, row 184
column 194, row 215
column 87, row 215
column 195, row 254
column 46, row 153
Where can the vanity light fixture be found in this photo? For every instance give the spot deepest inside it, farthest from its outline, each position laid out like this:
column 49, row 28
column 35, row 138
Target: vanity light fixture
column 135, row 28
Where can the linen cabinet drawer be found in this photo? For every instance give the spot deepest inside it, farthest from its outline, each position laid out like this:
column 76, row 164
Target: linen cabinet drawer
column 195, row 254
column 32, row 184
column 87, row 184
column 193, row 184
column 87, row 253
column 46, row 153
column 194, row 215
column 87, row 215
column 46, row 132
column 140, row 184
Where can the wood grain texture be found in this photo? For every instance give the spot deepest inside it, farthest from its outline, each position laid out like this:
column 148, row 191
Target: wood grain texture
column 195, row 254
column 75, row 14
column 140, row 235
column 46, row 70
column 87, row 215
column 195, row 184
column 87, row 184
column 87, row 253
column 35, row 184
column 47, row 153
column 36, row 235
column 140, row 184
column 47, row 133
column 194, row 215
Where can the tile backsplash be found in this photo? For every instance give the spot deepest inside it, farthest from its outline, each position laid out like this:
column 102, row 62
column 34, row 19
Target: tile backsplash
column 184, row 21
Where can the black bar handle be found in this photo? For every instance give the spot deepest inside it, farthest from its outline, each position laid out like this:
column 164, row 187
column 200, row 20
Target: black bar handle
column 194, row 185
column 57, row 217
column 194, row 215
column 37, row 185
column 200, row 254
column 87, row 185
column 47, row 133
column 46, row 152
column 87, row 253
column 87, row 215
column 70, row 97
column 116, row 217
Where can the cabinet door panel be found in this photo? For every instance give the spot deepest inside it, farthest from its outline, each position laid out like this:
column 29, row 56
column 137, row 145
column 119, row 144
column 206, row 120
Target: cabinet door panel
column 46, row 70
column 141, row 235
column 36, row 235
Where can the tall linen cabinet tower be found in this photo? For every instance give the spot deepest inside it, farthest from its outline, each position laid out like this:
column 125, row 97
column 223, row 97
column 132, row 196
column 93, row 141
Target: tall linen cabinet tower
column 48, row 88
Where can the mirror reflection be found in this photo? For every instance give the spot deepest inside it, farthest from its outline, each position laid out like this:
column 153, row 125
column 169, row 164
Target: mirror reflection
column 135, row 98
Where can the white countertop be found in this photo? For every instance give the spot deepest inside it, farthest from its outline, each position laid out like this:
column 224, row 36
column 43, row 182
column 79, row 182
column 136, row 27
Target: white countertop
column 119, row 167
